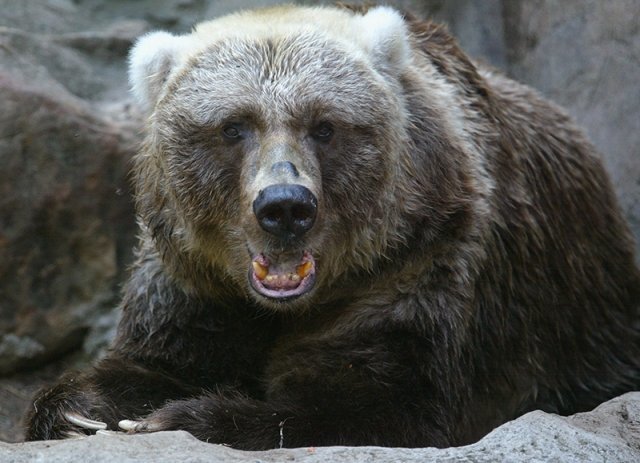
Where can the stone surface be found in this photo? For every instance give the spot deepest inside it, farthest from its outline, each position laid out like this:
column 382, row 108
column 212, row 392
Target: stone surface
column 66, row 221
column 610, row 433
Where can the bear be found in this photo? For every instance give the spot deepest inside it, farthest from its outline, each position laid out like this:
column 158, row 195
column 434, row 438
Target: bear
column 353, row 234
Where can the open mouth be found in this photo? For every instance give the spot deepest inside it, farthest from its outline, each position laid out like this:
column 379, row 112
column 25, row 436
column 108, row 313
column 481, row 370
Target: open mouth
column 282, row 281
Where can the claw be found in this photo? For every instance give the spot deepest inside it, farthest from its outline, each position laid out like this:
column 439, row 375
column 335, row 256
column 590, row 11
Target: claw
column 106, row 432
column 83, row 422
column 138, row 426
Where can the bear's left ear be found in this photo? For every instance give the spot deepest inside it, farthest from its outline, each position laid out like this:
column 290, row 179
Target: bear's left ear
column 151, row 61
column 386, row 36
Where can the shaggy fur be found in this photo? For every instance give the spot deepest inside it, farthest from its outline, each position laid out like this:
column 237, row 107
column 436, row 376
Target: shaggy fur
column 470, row 260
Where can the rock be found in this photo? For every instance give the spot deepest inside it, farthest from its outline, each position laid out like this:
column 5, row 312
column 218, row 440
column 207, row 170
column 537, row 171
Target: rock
column 610, row 433
column 64, row 210
column 66, row 219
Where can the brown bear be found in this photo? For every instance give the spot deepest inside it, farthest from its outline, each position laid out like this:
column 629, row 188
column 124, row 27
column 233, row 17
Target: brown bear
column 352, row 234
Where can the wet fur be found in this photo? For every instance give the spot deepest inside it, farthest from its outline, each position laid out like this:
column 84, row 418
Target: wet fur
column 483, row 272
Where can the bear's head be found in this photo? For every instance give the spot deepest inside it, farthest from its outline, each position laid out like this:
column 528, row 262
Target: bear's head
column 274, row 142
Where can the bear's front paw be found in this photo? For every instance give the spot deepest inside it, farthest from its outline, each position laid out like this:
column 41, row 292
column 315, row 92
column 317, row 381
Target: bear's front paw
column 62, row 412
column 199, row 416
column 228, row 418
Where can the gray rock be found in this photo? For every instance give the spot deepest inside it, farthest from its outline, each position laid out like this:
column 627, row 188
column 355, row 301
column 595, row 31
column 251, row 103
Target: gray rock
column 66, row 219
column 610, row 433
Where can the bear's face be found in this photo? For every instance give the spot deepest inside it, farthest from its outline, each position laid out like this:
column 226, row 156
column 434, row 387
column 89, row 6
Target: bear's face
column 274, row 154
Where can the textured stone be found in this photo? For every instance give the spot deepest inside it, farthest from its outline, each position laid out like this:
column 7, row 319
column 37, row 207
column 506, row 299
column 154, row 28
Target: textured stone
column 64, row 215
column 66, row 221
column 610, row 433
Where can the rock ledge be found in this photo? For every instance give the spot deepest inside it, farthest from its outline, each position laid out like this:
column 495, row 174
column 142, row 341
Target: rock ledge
column 610, row 433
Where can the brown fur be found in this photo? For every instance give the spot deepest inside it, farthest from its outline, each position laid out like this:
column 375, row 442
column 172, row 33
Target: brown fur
column 472, row 263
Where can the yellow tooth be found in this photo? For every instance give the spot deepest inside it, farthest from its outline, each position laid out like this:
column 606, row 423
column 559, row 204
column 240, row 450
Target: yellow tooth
column 260, row 271
column 303, row 269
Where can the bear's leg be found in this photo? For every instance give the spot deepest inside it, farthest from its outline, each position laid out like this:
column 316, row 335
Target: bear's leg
column 337, row 392
column 81, row 403
column 248, row 424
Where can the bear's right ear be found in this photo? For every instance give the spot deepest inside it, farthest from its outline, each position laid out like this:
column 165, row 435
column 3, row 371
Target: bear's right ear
column 151, row 61
column 386, row 37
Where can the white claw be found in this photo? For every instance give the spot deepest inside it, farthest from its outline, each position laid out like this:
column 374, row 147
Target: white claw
column 138, row 426
column 106, row 432
column 128, row 425
column 84, row 422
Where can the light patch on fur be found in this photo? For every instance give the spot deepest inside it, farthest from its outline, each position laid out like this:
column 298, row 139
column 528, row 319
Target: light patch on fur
column 384, row 34
column 458, row 120
column 379, row 37
column 151, row 61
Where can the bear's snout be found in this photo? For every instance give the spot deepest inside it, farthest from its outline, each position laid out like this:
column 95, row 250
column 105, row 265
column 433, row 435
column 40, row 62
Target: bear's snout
column 286, row 210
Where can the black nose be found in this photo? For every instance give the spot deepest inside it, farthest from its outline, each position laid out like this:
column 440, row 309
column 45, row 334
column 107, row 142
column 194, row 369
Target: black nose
column 287, row 211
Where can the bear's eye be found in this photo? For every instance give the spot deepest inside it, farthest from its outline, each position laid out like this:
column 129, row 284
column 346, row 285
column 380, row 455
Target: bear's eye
column 322, row 132
column 232, row 132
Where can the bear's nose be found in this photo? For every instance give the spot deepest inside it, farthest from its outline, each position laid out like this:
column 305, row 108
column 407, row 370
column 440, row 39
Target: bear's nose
column 286, row 211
